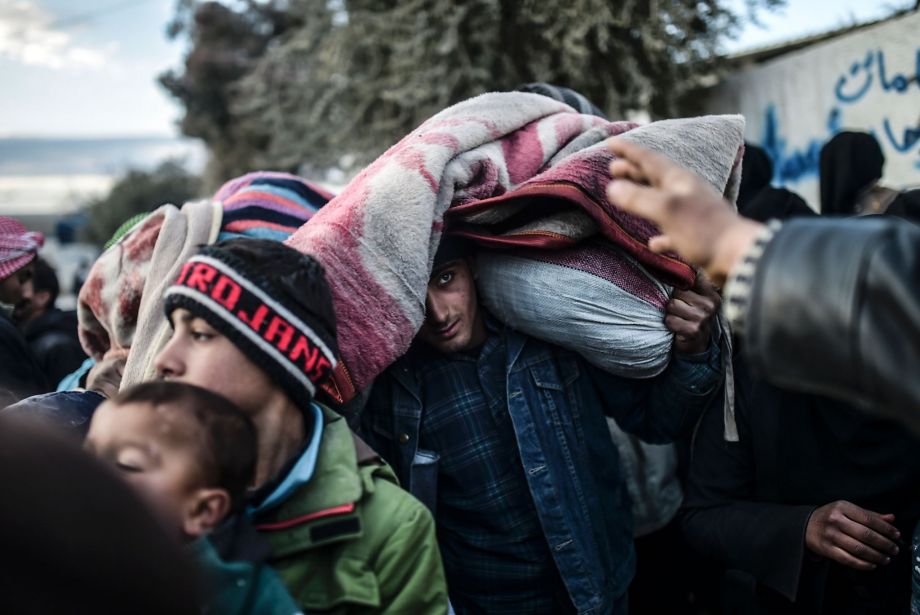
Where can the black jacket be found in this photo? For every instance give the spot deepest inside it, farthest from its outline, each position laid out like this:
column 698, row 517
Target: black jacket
column 20, row 374
column 68, row 412
column 54, row 342
column 835, row 310
column 747, row 503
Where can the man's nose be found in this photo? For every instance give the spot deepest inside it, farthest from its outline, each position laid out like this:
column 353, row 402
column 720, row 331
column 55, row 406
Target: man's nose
column 435, row 310
column 168, row 363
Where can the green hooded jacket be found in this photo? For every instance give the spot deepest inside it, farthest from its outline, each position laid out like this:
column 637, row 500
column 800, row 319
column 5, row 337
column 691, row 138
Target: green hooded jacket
column 351, row 540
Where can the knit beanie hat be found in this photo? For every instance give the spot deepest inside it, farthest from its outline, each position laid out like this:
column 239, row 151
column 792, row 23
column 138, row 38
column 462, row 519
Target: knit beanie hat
column 18, row 246
column 271, row 301
column 268, row 205
column 574, row 99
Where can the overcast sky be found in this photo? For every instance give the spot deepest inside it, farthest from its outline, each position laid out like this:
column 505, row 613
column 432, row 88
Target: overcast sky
column 88, row 68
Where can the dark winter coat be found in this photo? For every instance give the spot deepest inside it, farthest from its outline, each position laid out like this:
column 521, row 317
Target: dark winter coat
column 20, row 374
column 53, row 340
column 747, row 503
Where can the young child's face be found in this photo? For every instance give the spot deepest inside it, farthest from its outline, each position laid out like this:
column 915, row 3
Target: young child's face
column 154, row 449
column 201, row 355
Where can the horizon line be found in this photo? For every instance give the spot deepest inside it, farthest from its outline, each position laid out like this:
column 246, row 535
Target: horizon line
column 91, row 137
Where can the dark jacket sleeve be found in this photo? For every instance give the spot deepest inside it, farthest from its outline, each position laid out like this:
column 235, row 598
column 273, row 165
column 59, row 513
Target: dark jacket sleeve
column 835, row 310
column 721, row 520
column 661, row 409
column 58, row 354
column 20, row 375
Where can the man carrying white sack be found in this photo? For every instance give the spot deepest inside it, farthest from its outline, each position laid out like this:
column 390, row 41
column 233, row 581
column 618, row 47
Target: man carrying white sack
column 504, row 437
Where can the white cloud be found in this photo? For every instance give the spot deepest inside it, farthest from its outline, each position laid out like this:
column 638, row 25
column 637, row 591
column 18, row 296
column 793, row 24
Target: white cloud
column 28, row 35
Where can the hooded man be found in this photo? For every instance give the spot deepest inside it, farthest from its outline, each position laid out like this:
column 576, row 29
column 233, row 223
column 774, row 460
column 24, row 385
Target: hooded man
column 852, row 165
column 50, row 332
column 760, row 201
column 20, row 375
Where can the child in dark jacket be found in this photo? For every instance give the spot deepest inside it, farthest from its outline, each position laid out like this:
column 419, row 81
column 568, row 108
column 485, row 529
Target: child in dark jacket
column 191, row 454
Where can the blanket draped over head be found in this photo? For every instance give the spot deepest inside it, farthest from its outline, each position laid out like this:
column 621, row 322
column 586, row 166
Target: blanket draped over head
column 120, row 307
column 516, row 170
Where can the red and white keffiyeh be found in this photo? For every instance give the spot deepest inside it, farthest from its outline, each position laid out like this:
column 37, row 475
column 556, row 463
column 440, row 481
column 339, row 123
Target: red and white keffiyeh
column 18, row 246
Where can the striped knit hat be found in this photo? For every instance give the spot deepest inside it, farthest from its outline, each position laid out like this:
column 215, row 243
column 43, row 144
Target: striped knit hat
column 264, row 205
column 18, row 246
column 271, row 301
column 267, row 205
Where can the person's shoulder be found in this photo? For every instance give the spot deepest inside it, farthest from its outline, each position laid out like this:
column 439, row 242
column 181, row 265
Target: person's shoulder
column 386, row 506
column 8, row 329
column 61, row 320
column 906, row 205
column 534, row 349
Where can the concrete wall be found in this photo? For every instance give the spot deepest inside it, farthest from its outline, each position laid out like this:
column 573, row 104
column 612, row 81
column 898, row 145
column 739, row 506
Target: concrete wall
column 868, row 80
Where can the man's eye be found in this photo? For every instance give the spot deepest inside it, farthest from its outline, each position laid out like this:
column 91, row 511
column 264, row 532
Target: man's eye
column 201, row 336
column 445, row 278
column 127, row 467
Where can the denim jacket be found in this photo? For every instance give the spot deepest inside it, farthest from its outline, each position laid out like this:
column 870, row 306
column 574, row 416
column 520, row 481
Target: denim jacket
column 557, row 403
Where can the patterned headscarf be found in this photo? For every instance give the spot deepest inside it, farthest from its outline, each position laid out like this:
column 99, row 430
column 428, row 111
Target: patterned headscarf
column 18, row 246
column 120, row 305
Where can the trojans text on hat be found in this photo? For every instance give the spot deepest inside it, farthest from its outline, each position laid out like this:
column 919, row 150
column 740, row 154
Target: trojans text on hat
column 252, row 312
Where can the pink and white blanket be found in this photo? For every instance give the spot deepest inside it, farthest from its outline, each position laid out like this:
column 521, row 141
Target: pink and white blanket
column 515, row 169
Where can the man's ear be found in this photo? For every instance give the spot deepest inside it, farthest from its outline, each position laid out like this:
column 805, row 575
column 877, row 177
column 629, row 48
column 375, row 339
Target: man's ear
column 206, row 509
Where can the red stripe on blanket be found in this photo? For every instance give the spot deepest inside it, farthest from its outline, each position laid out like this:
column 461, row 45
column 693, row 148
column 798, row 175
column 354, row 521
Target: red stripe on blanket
column 669, row 269
column 523, row 152
column 530, row 239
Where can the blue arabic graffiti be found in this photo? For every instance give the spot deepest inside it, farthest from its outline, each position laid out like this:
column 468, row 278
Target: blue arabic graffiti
column 862, row 74
column 909, row 137
column 793, row 164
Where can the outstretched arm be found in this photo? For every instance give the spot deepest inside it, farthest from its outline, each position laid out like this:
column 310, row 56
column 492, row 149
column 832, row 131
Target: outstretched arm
column 696, row 222
column 827, row 306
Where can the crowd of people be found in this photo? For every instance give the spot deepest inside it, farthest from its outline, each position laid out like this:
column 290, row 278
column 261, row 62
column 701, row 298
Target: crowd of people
column 211, row 452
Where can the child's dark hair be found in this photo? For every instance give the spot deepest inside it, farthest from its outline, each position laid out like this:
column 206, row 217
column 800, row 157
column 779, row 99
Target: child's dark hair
column 228, row 458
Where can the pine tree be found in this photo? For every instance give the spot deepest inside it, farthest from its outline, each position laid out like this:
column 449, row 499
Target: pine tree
column 336, row 82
